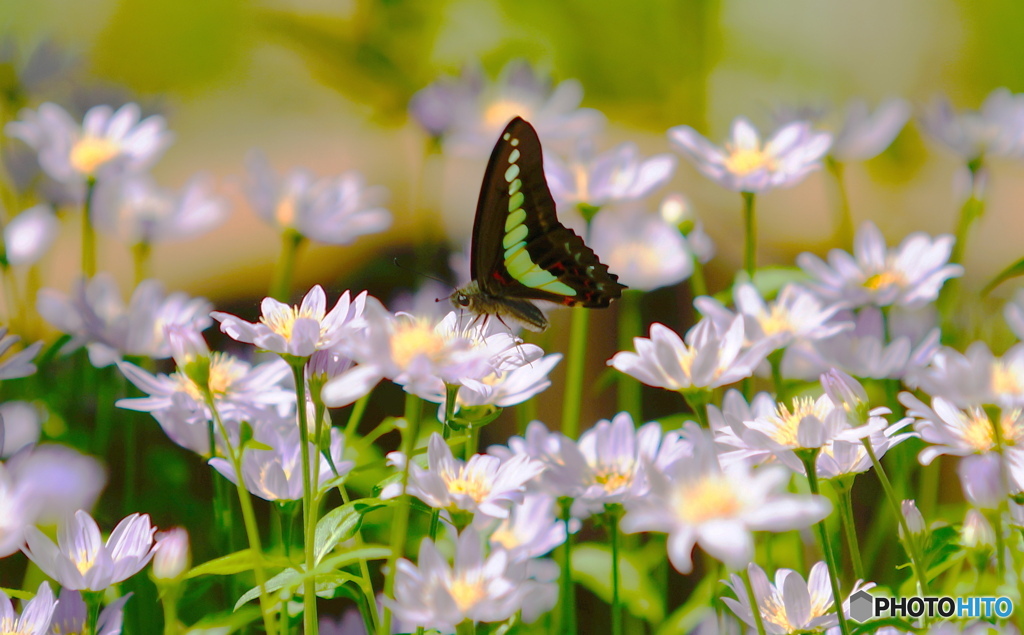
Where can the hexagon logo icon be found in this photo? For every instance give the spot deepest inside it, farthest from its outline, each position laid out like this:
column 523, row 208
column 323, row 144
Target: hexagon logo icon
column 862, row 606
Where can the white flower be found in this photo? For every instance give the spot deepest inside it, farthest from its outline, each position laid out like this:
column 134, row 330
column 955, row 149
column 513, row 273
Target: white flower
column 71, row 615
column 864, row 135
column 470, row 112
column 697, row 501
column 996, row 129
column 422, row 356
column 645, row 251
column 795, row 315
column 504, row 388
column 335, row 211
column 975, row 377
column 484, row 484
column 609, row 463
column 96, row 315
column 958, row 432
column 531, row 529
column 863, row 351
column 910, row 275
column 708, row 358
column 35, row 614
column 479, row 588
column 276, row 474
column 172, row 556
column 18, row 364
column 81, row 561
column 108, row 142
column 618, row 175
column 139, row 212
column 18, row 509
column 29, row 235
column 298, row 331
column 745, row 165
column 791, row 605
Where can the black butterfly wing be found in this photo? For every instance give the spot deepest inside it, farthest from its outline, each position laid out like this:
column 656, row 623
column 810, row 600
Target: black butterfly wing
column 520, row 250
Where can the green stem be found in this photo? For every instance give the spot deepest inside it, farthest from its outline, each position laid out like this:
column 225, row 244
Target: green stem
column 281, row 283
column 995, row 416
column 248, row 517
column 630, row 326
column 775, row 360
column 810, row 462
column 909, row 544
column 142, row 253
column 750, row 228
column 568, row 600
column 92, row 600
column 698, row 400
column 575, row 367
column 309, row 512
column 612, row 516
column 698, row 285
column 755, row 608
column 844, row 497
column 972, row 209
column 356, row 417
column 844, row 219
column 169, row 602
column 400, row 526
column 88, row 231
column 465, row 627
column 370, row 617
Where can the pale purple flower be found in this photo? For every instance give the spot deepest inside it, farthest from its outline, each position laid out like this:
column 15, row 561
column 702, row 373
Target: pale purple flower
column 334, row 211
column 29, row 235
column 795, row 315
column 95, row 315
column 531, row 529
column 865, row 134
column 172, row 556
column 298, row 331
column 996, row 129
column 744, row 164
column 982, row 480
column 615, row 176
column 59, row 480
column 423, row 356
column 18, row 364
column 18, row 509
column 81, row 561
column 645, row 251
column 106, row 144
column 138, row 211
column 864, row 352
column 707, row 358
column 477, row 587
column 977, row 532
column 791, row 605
column 960, row 432
column 35, row 614
column 484, row 484
column 975, row 377
column 21, row 425
column 470, row 112
column 912, row 516
column 697, row 501
column 240, row 391
column 276, row 474
column 610, row 462
column 910, row 275
column 70, row 616
column 504, row 388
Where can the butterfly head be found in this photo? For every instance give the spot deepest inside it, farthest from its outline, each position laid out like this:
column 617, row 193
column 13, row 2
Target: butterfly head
column 472, row 298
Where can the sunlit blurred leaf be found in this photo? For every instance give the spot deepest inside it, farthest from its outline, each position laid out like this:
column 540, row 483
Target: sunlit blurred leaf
column 592, row 567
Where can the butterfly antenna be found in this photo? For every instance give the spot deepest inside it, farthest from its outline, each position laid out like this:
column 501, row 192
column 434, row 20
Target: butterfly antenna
column 427, row 275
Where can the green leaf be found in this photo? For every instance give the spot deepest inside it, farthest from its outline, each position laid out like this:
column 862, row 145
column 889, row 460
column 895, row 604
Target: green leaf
column 367, row 552
column 767, row 280
column 1013, row 271
column 18, row 593
column 341, row 523
column 290, row 580
column 698, row 606
column 230, row 564
column 232, row 621
column 592, row 567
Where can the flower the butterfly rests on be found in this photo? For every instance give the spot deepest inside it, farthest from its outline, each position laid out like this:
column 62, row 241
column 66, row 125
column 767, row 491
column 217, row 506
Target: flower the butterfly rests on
column 520, row 252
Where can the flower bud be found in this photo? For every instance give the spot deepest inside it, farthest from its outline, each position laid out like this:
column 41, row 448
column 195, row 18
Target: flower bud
column 977, row 532
column 676, row 210
column 847, row 393
column 190, row 352
column 915, row 521
column 171, row 557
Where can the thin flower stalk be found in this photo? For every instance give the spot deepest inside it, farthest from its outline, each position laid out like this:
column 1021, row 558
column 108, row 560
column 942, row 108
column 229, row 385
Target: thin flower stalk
column 630, row 326
column 88, row 231
column 750, row 229
column 810, row 460
column 309, row 508
column 575, row 365
column 612, row 515
column 758, row 619
column 281, row 283
column 400, row 526
column 844, row 496
column 567, row 606
column 844, row 218
column 248, row 517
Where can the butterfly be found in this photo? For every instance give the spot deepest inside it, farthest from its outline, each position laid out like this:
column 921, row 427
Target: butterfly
column 520, row 252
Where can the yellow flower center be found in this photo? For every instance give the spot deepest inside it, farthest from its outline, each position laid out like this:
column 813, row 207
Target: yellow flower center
column 747, row 160
column 980, row 435
column 884, row 280
column 786, row 424
column 84, row 561
column 775, row 320
column 466, row 593
column 225, row 370
column 90, row 153
column 1004, row 380
column 285, row 211
column 502, row 111
column 412, row 339
column 282, row 322
column 711, row 498
column 612, row 479
column 472, row 484
column 505, row 537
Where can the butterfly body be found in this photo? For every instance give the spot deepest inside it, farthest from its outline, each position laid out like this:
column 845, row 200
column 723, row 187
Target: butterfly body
column 520, row 252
